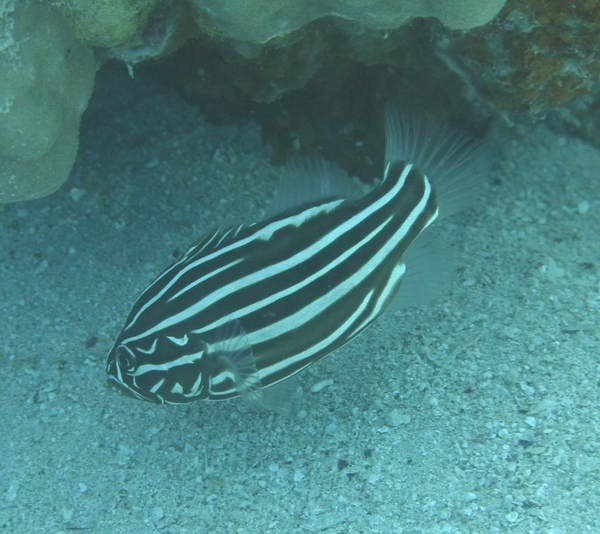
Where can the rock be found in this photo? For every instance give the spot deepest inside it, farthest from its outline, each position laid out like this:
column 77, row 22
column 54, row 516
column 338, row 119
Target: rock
column 259, row 21
column 47, row 79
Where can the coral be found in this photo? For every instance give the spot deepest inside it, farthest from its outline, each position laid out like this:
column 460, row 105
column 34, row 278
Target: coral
column 314, row 72
column 262, row 20
column 6, row 24
column 47, row 79
column 167, row 29
column 535, row 60
column 322, row 88
column 535, row 57
column 107, row 23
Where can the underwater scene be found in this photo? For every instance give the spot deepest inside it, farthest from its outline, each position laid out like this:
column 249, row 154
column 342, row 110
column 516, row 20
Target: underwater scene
column 333, row 268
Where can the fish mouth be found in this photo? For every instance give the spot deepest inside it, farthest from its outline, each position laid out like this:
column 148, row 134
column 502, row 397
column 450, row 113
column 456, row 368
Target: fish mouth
column 114, row 384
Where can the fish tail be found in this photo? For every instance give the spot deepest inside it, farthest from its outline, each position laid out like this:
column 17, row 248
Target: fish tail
column 453, row 161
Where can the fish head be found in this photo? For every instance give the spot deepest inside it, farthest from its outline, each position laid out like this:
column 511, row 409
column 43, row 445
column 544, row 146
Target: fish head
column 154, row 377
column 121, row 368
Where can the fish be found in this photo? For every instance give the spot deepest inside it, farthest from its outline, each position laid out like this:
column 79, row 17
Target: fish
column 248, row 306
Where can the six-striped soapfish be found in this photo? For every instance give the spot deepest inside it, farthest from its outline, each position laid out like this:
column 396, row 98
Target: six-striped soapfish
column 250, row 305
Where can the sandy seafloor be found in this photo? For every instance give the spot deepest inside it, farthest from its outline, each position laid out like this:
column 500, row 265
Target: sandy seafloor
column 477, row 413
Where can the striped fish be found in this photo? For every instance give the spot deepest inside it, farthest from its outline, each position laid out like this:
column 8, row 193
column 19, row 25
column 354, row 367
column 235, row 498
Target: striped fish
column 248, row 306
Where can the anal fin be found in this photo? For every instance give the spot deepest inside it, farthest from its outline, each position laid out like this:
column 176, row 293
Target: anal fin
column 280, row 397
column 430, row 268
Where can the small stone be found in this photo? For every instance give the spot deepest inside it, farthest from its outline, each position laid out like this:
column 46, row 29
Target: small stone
column 396, row 418
column 67, row 514
column 531, row 421
column 558, row 459
column 76, row 193
column 41, row 267
column 512, row 517
column 331, row 429
column 11, row 492
column 503, row 433
column 319, row 386
column 546, row 405
column 583, row 207
column 157, row 514
column 511, row 332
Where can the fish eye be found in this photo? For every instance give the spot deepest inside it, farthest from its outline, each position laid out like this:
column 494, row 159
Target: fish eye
column 126, row 360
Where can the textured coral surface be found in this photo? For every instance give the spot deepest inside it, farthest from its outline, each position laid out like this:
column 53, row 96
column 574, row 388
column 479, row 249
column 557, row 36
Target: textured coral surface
column 46, row 81
column 315, row 74
column 262, row 20
column 107, row 23
column 536, row 56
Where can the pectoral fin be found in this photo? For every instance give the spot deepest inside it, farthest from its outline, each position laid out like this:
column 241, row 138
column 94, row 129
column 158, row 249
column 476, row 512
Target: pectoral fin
column 234, row 348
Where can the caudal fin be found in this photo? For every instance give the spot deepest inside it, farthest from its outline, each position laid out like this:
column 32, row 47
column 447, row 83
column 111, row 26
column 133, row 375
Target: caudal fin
column 454, row 162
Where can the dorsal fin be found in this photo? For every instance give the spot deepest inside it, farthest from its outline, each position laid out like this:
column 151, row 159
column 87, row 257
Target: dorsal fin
column 307, row 181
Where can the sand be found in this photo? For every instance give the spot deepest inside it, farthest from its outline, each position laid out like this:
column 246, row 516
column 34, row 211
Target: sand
column 476, row 413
